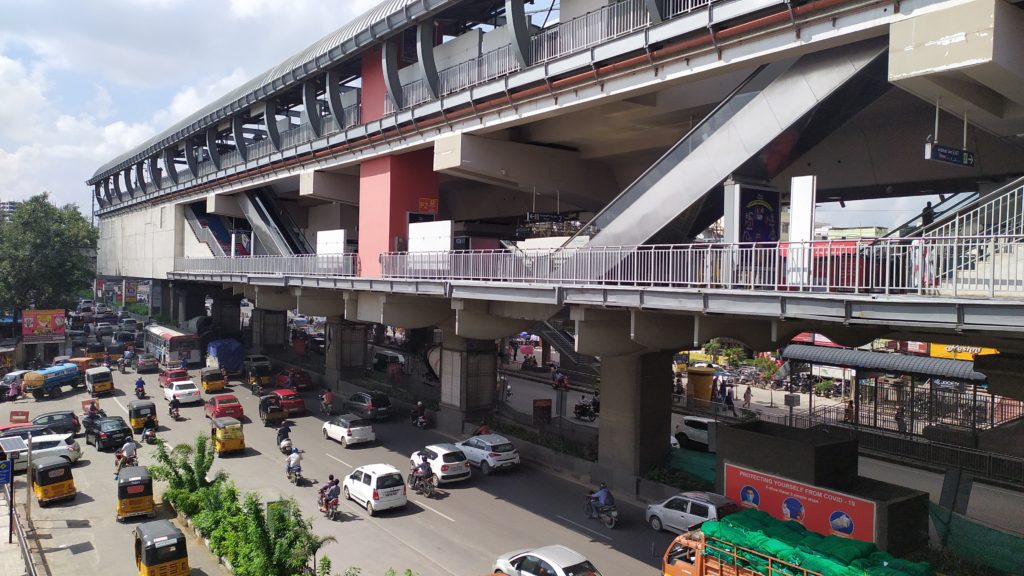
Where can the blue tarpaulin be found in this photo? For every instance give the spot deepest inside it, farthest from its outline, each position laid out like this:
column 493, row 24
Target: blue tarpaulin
column 228, row 353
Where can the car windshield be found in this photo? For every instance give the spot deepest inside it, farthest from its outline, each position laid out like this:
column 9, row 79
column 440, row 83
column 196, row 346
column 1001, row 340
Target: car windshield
column 456, row 456
column 380, row 400
column 584, row 568
column 506, row 447
column 259, row 360
column 223, row 401
column 111, row 425
column 185, row 386
column 392, row 480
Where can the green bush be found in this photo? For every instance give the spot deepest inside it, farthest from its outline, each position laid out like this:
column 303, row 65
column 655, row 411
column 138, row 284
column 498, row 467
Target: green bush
column 550, row 441
column 676, row 479
column 137, row 308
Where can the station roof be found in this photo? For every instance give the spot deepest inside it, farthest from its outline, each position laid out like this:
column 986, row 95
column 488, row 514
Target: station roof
column 895, row 363
column 371, row 27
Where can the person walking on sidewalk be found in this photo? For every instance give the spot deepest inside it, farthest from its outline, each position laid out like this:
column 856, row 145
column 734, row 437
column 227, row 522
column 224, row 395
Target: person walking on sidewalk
column 729, row 403
column 747, row 397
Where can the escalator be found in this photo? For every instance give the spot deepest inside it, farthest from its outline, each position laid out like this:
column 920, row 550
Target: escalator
column 273, row 228
column 213, row 231
column 579, row 367
column 779, row 112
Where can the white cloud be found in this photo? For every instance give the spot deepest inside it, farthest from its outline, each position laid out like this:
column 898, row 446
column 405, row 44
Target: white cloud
column 191, row 98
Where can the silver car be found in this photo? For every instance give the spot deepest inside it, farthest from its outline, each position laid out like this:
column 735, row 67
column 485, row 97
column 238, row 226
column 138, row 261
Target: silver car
column 556, row 560
column 489, row 452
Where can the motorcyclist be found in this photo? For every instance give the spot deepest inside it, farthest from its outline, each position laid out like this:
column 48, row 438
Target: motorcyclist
column 106, row 360
column 324, row 488
column 417, row 412
column 293, row 462
column 140, row 384
column 331, row 493
column 422, row 471
column 174, row 405
column 125, row 454
column 483, row 429
column 283, row 432
column 120, row 364
column 595, row 403
column 327, row 399
column 148, row 424
column 602, row 498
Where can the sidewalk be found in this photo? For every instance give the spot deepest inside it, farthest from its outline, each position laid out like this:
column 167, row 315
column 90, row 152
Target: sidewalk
column 11, row 561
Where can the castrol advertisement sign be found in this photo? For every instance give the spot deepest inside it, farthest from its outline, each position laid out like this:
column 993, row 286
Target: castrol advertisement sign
column 818, row 509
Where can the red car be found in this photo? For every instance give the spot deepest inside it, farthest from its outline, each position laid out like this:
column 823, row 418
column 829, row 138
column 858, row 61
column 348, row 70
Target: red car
column 224, row 405
column 300, row 378
column 172, row 375
column 290, row 401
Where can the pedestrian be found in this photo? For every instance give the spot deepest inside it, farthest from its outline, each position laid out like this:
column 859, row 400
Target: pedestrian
column 747, row 397
column 901, row 422
column 927, row 214
column 729, row 403
column 848, row 412
column 515, row 350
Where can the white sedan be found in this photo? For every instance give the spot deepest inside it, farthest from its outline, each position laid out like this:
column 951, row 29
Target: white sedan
column 556, row 560
column 349, row 429
column 184, row 390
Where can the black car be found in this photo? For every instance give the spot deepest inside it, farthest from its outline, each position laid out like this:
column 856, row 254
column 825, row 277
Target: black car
column 109, row 432
column 24, row 431
column 61, row 422
column 369, row 404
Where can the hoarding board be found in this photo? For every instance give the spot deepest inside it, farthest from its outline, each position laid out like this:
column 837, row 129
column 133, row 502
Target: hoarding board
column 42, row 326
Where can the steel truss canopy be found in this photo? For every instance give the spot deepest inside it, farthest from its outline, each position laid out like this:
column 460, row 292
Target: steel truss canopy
column 896, row 363
column 387, row 19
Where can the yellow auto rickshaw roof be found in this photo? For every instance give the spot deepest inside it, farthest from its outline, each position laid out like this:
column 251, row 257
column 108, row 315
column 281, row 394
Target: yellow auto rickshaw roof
column 207, row 371
column 44, row 463
column 134, row 475
column 225, row 421
column 150, row 531
column 141, row 404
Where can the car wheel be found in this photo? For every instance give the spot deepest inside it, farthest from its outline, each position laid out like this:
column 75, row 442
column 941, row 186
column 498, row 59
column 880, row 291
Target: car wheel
column 437, row 481
column 656, row 523
column 344, row 443
column 485, row 468
column 369, row 508
column 87, row 440
column 326, row 437
column 347, row 495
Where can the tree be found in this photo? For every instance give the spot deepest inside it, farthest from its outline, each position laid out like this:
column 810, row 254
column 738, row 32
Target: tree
column 46, row 255
column 185, row 468
column 766, row 366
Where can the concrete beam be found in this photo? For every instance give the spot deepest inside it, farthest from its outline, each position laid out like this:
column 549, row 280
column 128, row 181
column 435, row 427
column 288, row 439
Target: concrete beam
column 389, row 65
column 482, row 320
column 274, row 298
column 223, row 205
column 211, row 147
column 425, row 34
column 603, row 332
column 329, row 186
column 754, row 334
column 550, row 172
column 655, row 330
column 311, row 108
column 395, row 310
column 312, row 302
column 172, row 169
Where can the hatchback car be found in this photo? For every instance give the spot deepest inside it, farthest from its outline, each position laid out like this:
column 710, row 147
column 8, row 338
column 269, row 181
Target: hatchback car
column 376, row 487
column 61, row 422
column 110, row 432
column 300, row 378
column 349, row 429
column 696, row 428
column 184, row 390
column 254, row 360
column 146, row 362
column 224, row 405
column 60, row 445
column 688, row 510
column 447, row 461
column 290, row 401
column 24, row 430
column 489, row 452
column 556, row 560
column 172, row 375
column 371, row 405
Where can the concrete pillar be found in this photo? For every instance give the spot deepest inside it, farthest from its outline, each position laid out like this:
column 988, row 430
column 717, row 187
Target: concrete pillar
column 636, row 416
column 269, row 330
column 346, row 349
column 389, row 188
column 469, row 372
column 374, row 90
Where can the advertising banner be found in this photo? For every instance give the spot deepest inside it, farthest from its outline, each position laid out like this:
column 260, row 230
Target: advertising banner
column 818, row 509
column 42, row 326
column 131, row 290
column 960, row 351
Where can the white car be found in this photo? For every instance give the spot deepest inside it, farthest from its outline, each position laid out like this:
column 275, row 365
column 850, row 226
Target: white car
column 447, row 461
column 349, row 429
column 696, row 428
column 685, row 511
column 376, row 487
column 59, row 445
column 556, row 560
column 184, row 390
column 489, row 452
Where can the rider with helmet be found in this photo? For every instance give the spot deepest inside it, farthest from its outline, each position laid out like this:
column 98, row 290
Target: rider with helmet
column 422, row 471
column 293, row 462
column 601, row 499
column 140, row 384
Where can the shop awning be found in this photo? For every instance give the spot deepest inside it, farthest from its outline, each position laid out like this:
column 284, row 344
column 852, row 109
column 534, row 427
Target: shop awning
column 894, row 363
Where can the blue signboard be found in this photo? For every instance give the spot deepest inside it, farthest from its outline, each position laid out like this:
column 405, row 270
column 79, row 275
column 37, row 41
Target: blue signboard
column 5, row 472
column 949, row 155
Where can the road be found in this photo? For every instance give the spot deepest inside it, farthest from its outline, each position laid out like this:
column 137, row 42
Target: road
column 458, row 532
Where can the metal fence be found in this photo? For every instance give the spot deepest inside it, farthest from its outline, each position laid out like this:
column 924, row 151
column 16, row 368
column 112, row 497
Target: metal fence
column 677, row 7
column 491, row 65
column 301, row 265
column 947, row 266
column 19, row 531
column 589, row 30
column 1002, row 214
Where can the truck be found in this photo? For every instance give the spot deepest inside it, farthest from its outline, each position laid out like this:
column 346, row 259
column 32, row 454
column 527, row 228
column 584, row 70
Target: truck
column 49, row 381
column 226, row 354
column 751, row 543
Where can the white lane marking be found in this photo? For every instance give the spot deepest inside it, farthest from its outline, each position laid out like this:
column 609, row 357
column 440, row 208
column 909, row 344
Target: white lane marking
column 418, row 503
column 582, row 527
column 339, row 460
column 121, row 405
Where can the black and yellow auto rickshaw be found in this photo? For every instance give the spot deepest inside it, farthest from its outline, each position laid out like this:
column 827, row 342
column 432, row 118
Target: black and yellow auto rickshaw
column 260, row 378
column 138, row 411
column 95, row 350
column 212, row 379
column 227, row 435
column 115, row 350
column 52, row 479
column 134, row 493
column 160, row 549
column 271, row 411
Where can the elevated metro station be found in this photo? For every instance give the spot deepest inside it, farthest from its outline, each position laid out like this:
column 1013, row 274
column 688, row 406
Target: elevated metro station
column 635, row 129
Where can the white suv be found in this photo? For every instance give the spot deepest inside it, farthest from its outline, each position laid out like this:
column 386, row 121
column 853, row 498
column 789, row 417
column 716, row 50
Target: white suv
column 688, row 510
column 489, row 452
column 696, row 428
column 375, row 486
column 447, row 461
column 59, row 445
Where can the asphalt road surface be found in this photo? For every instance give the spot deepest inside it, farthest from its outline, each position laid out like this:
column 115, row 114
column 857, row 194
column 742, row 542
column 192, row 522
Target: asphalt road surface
column 460, row 531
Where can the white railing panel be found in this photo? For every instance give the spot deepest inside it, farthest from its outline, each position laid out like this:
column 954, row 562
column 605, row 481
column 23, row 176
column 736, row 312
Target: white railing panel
column 301, row 265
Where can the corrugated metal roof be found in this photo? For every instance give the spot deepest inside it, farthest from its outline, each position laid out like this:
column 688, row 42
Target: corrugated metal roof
column 376, row 24
column 895, row 363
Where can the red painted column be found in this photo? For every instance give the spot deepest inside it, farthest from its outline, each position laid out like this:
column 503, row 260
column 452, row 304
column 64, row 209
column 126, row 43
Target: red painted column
column 373, row 90
column 391, row 187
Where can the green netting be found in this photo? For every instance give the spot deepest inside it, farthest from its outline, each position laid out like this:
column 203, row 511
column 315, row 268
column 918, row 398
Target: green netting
column 699, row 465
column 794, row 544
column 976, row 542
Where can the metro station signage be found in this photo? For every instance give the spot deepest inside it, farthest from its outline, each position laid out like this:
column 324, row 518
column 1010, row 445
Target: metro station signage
column 948, row 154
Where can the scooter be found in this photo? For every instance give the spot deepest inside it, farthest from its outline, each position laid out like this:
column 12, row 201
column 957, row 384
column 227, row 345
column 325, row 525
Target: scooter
column 583, row 410
column 140, row 393
column 149, row 436
column 175, row 414
column 286, row 446
column 295, row 475
column 608, row 515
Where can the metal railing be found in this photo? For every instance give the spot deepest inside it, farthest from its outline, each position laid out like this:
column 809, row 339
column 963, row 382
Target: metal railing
column 300, row 265
column 416, row 92
column 491, row 65
column 1000, row 213
column 19, row 531
column 204, row 234
column 677, row 7
column 987, row 265
column 589, row 30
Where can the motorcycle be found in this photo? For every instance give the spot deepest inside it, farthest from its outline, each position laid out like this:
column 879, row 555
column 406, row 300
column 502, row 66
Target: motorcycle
column 121, row 366
column 608, row 515
column 140, row 393
column 285, row 446
column 329, row 508
column 584, row 410
column 149, row 436
column 324, row 407
column 133, row 461
column 295, row 475
column 418, row 420
column 175, row 414
column 422, row 484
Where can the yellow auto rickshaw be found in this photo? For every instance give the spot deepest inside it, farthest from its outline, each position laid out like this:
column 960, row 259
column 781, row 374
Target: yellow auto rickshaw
column 134, row 493
column 52, row 479
column 260, row 378
column 226, row 435
column 212, row 379
column 160, row 549
column 83, row 363
column 138, row 411
column 115, row 350
column 96, row 350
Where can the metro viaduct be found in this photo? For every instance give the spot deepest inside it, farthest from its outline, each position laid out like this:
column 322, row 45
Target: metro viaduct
column 470, row 112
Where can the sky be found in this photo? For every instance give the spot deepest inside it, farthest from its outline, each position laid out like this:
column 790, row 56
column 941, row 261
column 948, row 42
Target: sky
column 83, row 81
